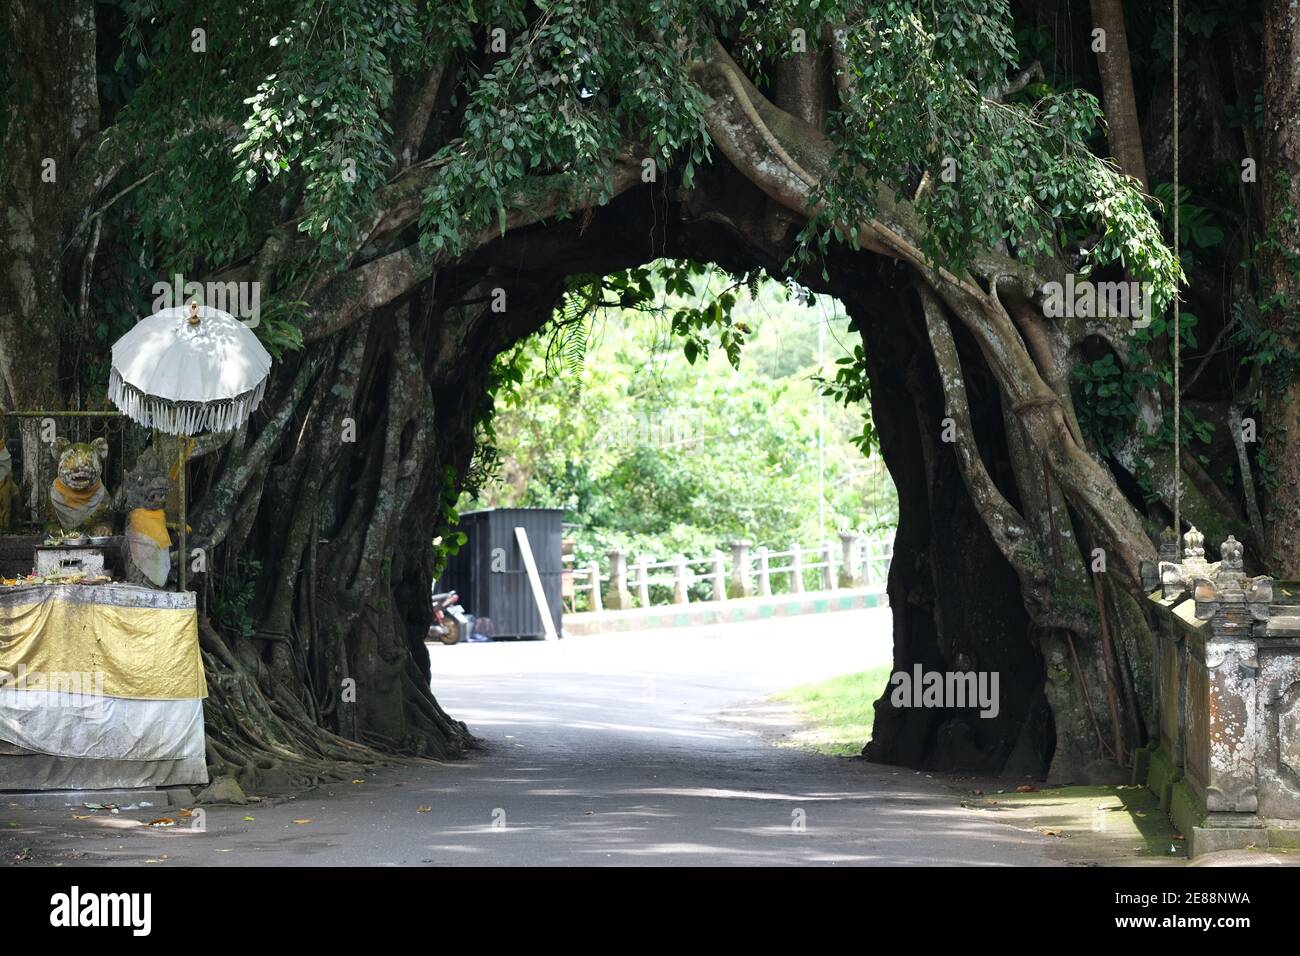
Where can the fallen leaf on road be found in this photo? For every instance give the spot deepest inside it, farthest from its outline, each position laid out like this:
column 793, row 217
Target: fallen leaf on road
column 301, row 822
column 249, row 819
column 185, row 813
column 162, row 822
column 88, row 816
column 423, row 809
column 1045, row 831
column 358, row 781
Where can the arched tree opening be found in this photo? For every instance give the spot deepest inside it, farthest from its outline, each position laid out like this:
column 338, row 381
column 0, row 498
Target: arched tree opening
column 658, row 443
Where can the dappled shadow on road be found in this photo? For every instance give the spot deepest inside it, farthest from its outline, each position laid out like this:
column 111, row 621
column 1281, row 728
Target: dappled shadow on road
column 596, row 754
column 639, row 769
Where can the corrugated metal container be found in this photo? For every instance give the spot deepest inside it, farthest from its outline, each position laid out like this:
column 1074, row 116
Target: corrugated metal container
column 505, row 595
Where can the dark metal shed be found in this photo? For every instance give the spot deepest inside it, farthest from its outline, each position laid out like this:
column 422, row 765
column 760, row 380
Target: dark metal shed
column 489, row 574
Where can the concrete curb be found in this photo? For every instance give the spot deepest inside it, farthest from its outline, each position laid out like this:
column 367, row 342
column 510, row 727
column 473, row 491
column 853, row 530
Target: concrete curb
column 722, row 612
column 122, row 799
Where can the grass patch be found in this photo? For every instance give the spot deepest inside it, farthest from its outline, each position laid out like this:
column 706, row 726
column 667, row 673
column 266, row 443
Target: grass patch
column 840, row 710
column 1096, row 823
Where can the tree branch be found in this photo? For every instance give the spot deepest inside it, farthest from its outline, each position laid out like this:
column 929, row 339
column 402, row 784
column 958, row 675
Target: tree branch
column 357, row 292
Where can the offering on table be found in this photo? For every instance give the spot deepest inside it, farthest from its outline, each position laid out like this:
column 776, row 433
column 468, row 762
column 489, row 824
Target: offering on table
column 65, row 577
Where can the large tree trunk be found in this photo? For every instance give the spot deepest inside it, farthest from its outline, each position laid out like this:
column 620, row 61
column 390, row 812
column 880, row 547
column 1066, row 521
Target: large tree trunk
column 1125, row 132
column 44, row 286
column 1280, row 278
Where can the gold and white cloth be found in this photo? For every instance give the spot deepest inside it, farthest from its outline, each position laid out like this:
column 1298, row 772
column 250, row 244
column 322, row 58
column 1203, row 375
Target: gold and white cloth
column 101, row 671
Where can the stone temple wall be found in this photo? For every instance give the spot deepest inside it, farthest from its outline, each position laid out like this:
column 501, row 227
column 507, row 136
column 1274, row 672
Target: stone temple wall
column 1225, row 760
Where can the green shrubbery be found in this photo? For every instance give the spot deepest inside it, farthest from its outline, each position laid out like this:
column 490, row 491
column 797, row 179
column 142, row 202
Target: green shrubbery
column 651, row 452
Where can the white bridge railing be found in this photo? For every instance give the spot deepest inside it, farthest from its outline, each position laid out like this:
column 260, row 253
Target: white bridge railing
column 856, row 562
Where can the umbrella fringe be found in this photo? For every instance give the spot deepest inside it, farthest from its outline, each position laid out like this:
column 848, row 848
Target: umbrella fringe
column 183, row 418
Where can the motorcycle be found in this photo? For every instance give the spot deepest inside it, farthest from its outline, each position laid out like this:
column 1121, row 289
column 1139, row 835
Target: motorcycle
column 450, row 622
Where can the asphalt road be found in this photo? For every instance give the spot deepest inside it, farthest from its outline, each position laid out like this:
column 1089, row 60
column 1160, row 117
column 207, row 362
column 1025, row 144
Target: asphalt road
column 648, row 749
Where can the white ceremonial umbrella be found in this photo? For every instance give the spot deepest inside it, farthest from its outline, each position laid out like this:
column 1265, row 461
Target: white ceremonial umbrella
column 188, row 370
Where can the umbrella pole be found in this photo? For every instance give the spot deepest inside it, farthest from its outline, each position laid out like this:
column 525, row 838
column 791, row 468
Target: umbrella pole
column 181, row 493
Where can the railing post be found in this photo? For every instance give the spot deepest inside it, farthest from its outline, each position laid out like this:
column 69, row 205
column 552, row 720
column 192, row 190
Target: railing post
column 680, row 574
column 796, row 570
column 764, row 572
column 719, row 576
column 618, row 597
column 643, row 580
column 740, row 585
column 828, row 568
column 849, row 576
column 593, row 574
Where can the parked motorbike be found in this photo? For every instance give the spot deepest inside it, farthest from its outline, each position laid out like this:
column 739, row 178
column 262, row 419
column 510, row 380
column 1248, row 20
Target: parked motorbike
column 450, row 622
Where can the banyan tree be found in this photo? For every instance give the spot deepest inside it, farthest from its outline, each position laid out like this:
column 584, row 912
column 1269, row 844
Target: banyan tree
column 415, row 186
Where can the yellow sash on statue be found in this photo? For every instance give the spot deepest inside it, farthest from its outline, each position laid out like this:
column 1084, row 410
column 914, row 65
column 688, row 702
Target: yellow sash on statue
column 75, row 499
column 152, row 523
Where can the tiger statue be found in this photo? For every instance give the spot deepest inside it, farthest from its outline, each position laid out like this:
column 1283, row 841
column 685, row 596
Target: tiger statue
column 8, row 489
column 78, row 499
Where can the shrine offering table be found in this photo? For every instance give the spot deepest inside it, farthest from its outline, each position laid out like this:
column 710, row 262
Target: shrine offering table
column 101, row 687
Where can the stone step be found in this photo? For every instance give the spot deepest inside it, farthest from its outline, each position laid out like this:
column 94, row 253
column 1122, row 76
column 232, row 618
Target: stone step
column 1283, row 624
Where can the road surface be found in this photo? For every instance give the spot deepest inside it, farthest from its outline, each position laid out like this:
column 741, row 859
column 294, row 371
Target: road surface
column 641, row 749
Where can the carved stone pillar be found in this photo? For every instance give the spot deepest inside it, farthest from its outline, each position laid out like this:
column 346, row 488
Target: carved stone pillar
column 1180, row 577
column 1222, row 723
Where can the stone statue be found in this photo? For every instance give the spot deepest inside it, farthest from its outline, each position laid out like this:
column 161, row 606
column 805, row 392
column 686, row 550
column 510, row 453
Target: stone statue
column 78, row 498
column 8, row 489
column 146, row 554
column 1232, row 554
